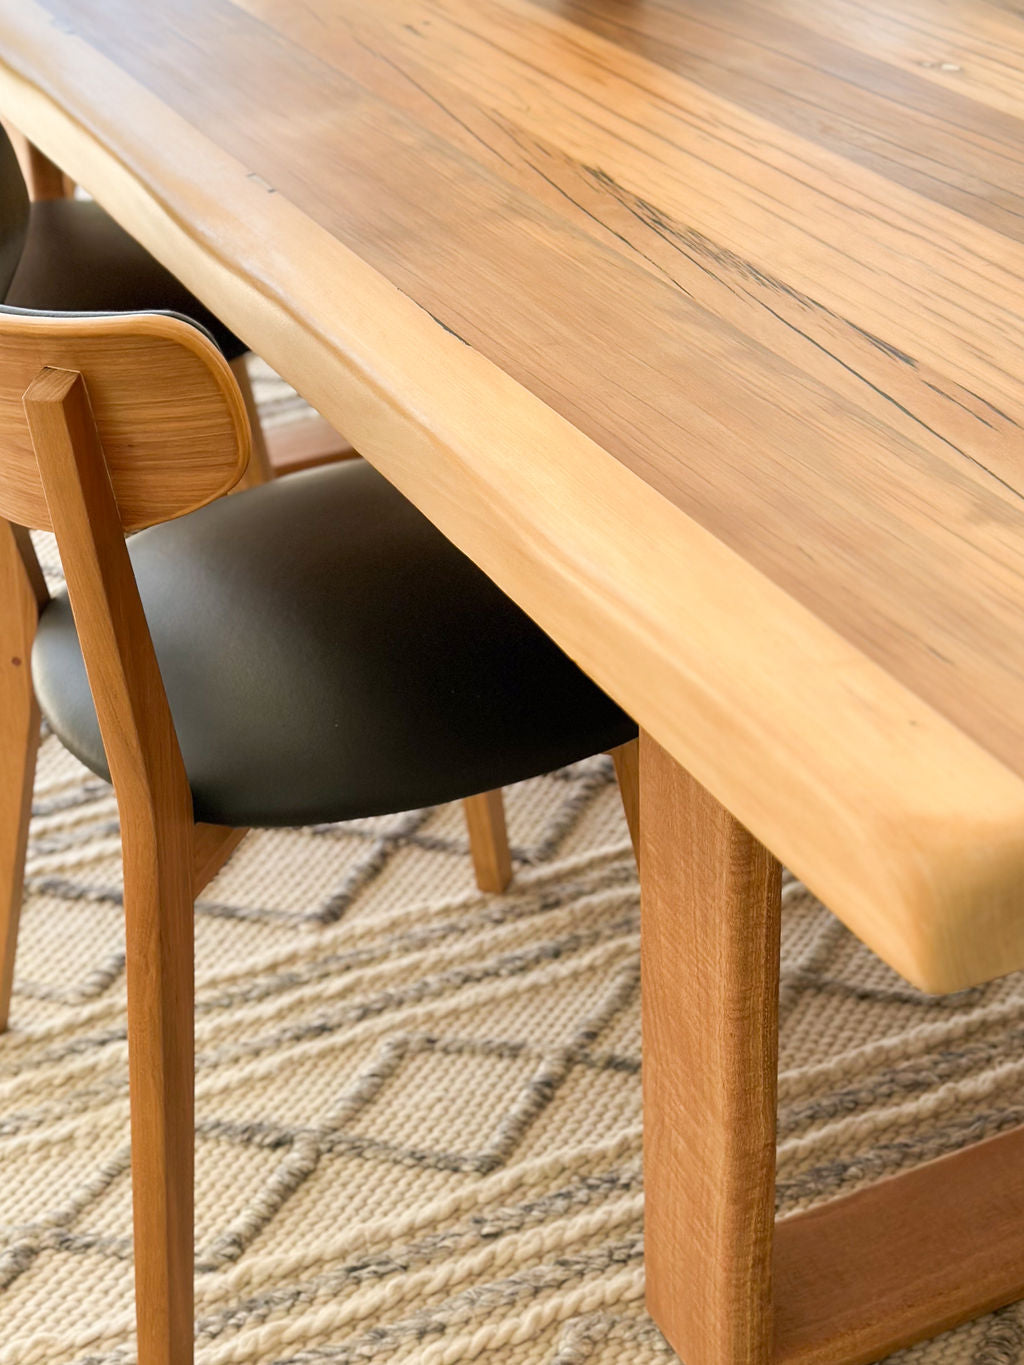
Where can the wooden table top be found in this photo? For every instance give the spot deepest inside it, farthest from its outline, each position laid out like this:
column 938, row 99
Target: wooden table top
column 698, row 323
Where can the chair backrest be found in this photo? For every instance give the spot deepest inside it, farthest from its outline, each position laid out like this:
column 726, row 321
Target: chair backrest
column 108, row 424
column 169, row 415
column 14, row 212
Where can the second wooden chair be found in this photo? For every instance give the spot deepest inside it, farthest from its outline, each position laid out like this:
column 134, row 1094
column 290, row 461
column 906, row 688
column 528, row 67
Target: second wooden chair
column 308, row 651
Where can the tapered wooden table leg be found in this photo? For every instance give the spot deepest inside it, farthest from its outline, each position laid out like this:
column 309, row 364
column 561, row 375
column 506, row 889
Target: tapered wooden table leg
column 710, row 942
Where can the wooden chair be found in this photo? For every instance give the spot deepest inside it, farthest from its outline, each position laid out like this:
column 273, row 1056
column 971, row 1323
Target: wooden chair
column 59, row 254
column 411, row 677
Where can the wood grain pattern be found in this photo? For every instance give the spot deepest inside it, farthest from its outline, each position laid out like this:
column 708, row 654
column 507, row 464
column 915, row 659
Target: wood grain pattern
column 22, row 594
column 155, row 809
column 710, row 946
column 902, row 1259
column 733, row 413
column 180, row 437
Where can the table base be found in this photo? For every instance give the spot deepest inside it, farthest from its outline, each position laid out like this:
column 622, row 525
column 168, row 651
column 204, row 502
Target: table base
column 846, row 1282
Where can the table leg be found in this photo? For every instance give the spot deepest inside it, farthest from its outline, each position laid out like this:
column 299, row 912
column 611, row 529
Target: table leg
column 710, row 944
column 845, row 1282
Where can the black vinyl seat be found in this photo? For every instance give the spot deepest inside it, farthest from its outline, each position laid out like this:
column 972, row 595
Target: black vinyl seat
column 77, row 259
column 327, row 653
column 69, row 256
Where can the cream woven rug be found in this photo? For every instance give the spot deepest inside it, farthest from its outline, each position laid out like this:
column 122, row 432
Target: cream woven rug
column 419, row 1107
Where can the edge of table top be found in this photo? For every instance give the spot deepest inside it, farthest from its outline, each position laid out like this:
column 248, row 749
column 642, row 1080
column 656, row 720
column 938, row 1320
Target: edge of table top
column 912, row 833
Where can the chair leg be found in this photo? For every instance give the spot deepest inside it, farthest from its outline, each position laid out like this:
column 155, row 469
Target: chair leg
column 20, row 598
column 158, row 905
column 44, row 179
column 260, row 469
column 488, row 840
column 627, row 770
column 710, row 898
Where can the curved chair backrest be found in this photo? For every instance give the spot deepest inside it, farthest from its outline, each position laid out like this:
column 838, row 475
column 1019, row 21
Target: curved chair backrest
column 170, row 419
column 14, row 211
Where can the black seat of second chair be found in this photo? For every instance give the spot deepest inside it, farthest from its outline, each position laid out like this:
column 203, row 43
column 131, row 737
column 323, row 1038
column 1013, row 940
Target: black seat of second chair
column 70, row 256
column 327, row 653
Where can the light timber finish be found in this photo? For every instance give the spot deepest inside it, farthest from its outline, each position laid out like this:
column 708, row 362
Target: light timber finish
column 901, row 1260
column 627, row 773
column 212, row 846
column 43, row 178
column 732, row 405
column 179, row 387
column 698, row 327
column 155, row 809
column 488, row 840
column 259, row 469
column 22, row 595
column 711, row 903
column 846, row 1282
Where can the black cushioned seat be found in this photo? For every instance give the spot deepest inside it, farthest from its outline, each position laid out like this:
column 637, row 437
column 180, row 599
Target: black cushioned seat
column 76, row 259
column 327, row 653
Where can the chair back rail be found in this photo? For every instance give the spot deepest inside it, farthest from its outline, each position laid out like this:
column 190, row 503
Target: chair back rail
column 171, row 422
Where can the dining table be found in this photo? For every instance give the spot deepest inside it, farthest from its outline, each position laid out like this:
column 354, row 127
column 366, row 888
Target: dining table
column 699, row 326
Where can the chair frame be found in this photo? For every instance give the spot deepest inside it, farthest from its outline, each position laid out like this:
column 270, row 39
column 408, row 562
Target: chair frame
column 167, row 856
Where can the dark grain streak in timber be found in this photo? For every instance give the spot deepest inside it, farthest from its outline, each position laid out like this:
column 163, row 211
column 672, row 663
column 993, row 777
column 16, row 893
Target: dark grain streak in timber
column 450, row 330
column 427, row 94
column 943, row 394
column 827, row 92
column 743, row 423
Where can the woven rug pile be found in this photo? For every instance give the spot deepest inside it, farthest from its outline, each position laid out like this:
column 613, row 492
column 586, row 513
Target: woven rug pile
column 419, row 1127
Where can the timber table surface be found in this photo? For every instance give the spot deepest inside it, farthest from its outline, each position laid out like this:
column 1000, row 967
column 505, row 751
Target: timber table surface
column 699, row 324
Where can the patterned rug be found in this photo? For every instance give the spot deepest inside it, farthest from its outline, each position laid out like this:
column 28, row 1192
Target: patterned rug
column 419, row 1107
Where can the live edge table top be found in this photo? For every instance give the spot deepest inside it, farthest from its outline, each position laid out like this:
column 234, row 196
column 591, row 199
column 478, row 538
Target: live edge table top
column 699, row 324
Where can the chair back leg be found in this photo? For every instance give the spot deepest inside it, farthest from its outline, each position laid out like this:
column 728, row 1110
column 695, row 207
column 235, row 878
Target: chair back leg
column 488, row 840
column 22, row 592
column 259, row 469
column 627, row 769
